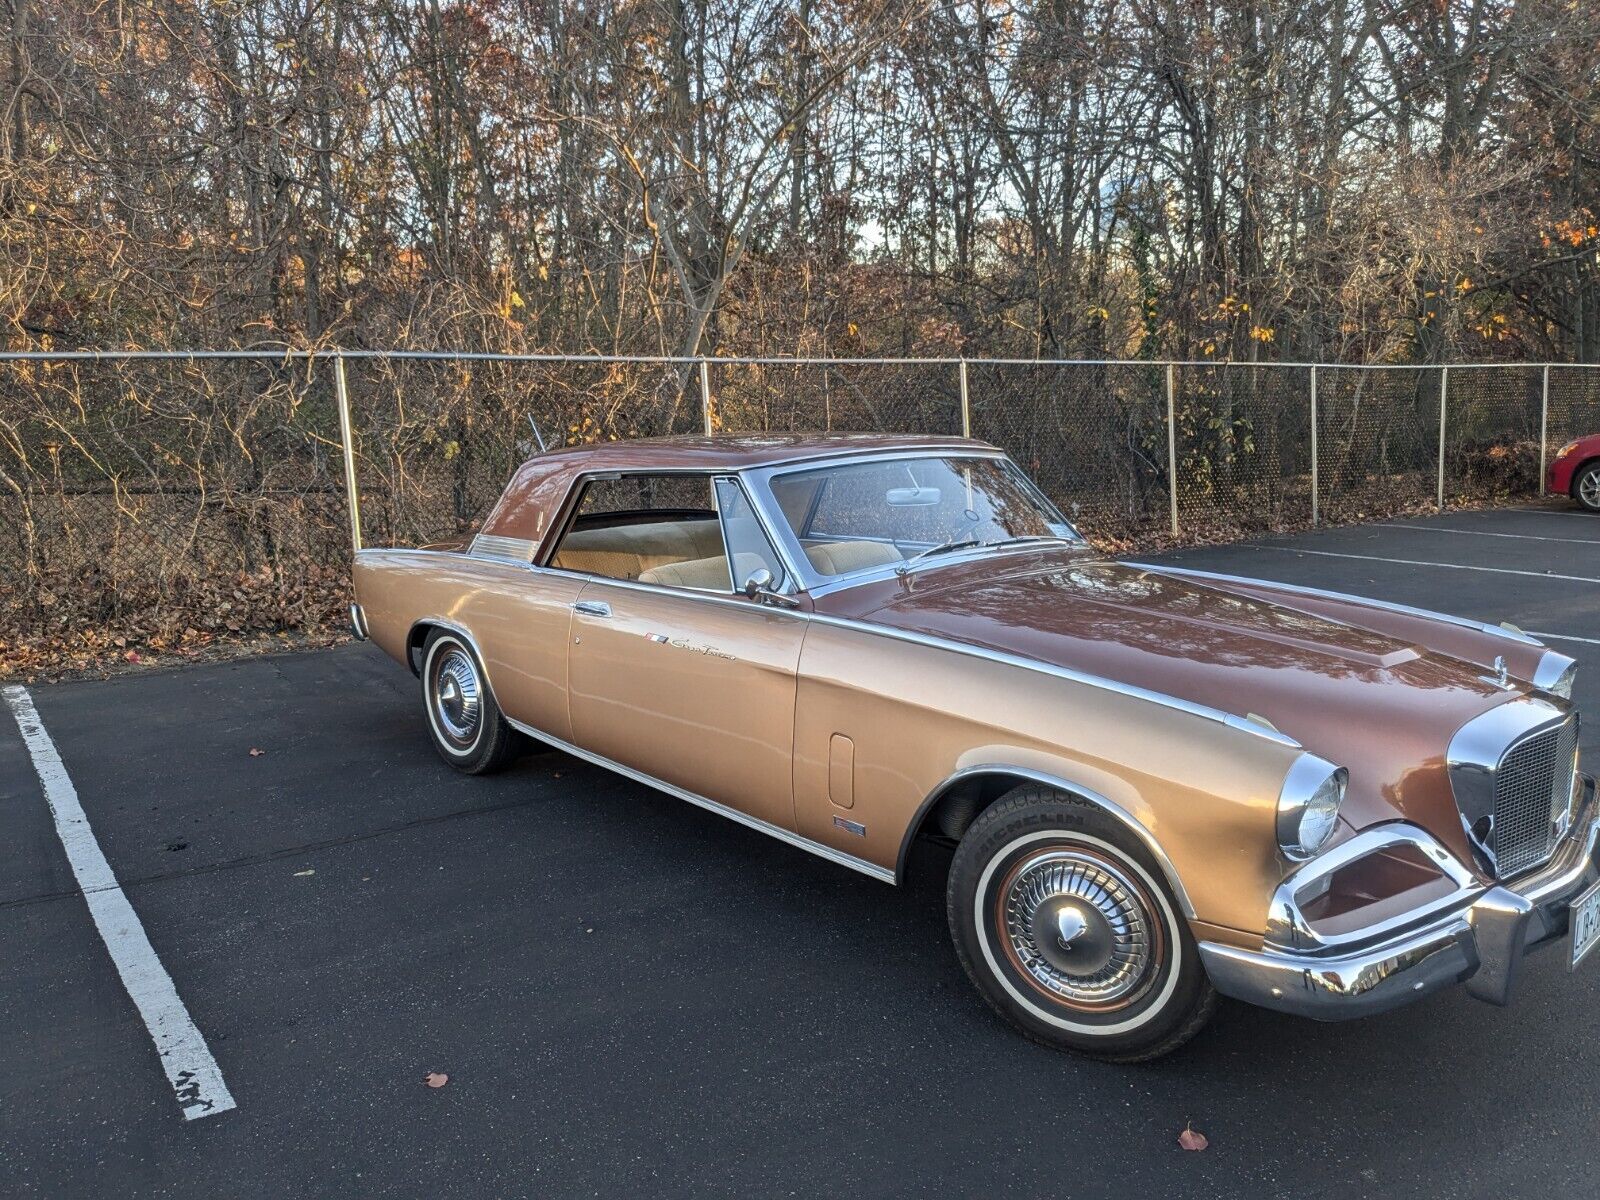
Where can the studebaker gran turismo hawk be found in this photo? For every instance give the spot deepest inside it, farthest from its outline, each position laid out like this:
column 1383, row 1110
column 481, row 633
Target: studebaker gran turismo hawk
column 1159, row 784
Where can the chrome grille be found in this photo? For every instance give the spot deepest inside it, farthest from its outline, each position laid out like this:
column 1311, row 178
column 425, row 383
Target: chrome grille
column 1532, row 797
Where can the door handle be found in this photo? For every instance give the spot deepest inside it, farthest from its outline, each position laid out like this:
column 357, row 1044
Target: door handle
column 592, row 608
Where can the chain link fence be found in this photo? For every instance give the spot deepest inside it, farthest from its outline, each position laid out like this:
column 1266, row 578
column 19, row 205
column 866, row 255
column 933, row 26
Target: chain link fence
column 156, row 499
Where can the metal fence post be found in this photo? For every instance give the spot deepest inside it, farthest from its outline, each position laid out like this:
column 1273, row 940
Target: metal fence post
column 1172, row 445
column 352, row 493
column 966, row 406
column 1544, row 431
column 1444, row 401
column 1314, row 474
column 705, row 398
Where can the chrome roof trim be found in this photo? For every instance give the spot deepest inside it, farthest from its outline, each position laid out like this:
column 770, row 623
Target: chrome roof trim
column 1370, row 602
column 882, row 874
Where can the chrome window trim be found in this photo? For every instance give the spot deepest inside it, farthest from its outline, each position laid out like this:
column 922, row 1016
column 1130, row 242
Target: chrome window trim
column 1368, row 601
column 870, row 869
column 790, row 581
column 786, row 539
column 1475, row 754
column 1110, row 807
column 1287, row 928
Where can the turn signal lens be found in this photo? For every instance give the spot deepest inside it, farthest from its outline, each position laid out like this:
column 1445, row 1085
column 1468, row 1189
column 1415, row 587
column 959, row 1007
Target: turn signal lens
column 1566, row 450
column 1308, row 805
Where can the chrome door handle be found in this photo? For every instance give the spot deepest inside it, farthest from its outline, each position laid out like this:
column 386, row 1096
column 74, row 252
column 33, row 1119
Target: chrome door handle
column 592, row 608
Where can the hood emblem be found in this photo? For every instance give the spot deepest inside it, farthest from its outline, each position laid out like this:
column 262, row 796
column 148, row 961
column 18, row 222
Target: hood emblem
column 1501, row 677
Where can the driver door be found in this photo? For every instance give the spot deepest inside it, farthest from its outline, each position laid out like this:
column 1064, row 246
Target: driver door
column 674, row 675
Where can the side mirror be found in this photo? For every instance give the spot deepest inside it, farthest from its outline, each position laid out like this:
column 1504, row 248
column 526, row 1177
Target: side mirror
column 758, row 586
column 760, row 581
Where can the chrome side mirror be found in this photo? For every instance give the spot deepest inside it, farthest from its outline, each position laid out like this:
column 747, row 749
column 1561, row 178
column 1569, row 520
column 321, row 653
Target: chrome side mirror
column 760, row 581
column 759, row 586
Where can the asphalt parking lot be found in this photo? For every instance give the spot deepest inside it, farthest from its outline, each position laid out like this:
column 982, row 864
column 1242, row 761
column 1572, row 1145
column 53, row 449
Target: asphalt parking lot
column 631, row 995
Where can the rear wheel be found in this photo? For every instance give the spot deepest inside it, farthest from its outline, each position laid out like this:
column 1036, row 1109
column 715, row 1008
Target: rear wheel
column 1586, row 487
column 1068, row 930
column 469, row 731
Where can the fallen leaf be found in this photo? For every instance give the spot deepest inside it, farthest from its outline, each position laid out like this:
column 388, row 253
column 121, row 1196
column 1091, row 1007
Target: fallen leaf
column 436, row 1079
column 1192, row 1139
column 256, row 752
column 132, row 656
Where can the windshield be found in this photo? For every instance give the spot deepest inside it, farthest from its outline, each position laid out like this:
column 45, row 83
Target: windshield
column 853, row 516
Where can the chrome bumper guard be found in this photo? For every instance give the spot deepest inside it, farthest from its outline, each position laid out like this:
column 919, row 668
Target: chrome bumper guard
column 1480, row 942
column 358, row 623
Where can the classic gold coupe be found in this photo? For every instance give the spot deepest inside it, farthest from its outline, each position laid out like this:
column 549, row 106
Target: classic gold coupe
column 1160, row 784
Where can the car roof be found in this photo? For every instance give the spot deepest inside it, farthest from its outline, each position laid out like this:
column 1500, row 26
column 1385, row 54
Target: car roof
column 540, row 486
column 734, row 452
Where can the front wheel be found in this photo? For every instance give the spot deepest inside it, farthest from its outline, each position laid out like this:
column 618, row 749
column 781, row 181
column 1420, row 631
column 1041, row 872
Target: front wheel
column 1586, row 487
column 1067, row 929
column 469, row 730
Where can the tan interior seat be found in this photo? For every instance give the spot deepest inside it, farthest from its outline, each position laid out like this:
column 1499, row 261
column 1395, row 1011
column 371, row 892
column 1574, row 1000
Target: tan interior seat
column 628, row 551
column 707, row 574
column 839, row 558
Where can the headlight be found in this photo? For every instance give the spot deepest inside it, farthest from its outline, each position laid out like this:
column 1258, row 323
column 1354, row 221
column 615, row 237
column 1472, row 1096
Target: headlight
column 1308, row 805
column 1566, row 450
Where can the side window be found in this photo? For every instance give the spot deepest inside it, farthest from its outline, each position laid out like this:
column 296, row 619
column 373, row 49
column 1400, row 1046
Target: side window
column 747, row 540
column 654, row 528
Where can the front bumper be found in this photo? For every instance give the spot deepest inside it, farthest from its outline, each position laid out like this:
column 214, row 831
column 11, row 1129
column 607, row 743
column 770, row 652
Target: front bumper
column 1558, row 476
column 1481, row 943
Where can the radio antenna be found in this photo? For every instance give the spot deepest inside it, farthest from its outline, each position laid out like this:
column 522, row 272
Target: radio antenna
column 537, row 436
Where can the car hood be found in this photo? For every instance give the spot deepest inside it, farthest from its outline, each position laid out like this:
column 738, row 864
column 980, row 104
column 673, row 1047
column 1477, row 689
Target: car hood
column 1380, row 706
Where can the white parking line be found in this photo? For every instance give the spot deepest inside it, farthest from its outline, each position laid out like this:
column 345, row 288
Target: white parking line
column 1413, row 562
column 185, row 1058
column 1565, row 637
column 1526, row 537
column 1534, row 512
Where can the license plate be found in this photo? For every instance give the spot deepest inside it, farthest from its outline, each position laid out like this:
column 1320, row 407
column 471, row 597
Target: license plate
column 1584, row 924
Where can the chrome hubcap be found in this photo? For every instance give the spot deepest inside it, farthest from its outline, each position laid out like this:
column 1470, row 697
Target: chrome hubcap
column 1078, row 927
column 455, row 697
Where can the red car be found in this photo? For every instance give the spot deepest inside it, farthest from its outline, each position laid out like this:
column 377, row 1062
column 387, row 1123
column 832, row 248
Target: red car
column 1575, row 471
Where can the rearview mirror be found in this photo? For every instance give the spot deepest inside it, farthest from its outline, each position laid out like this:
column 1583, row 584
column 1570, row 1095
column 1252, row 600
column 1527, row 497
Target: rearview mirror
column 911, row 497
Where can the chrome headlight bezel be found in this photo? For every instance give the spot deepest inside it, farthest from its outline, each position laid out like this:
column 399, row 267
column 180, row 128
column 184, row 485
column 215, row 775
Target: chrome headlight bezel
column 1308, row 806
column 1556, row 674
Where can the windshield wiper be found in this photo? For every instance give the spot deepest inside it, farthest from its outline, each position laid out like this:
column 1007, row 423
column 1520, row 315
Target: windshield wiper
column 1035, row 537
column 941, row 548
